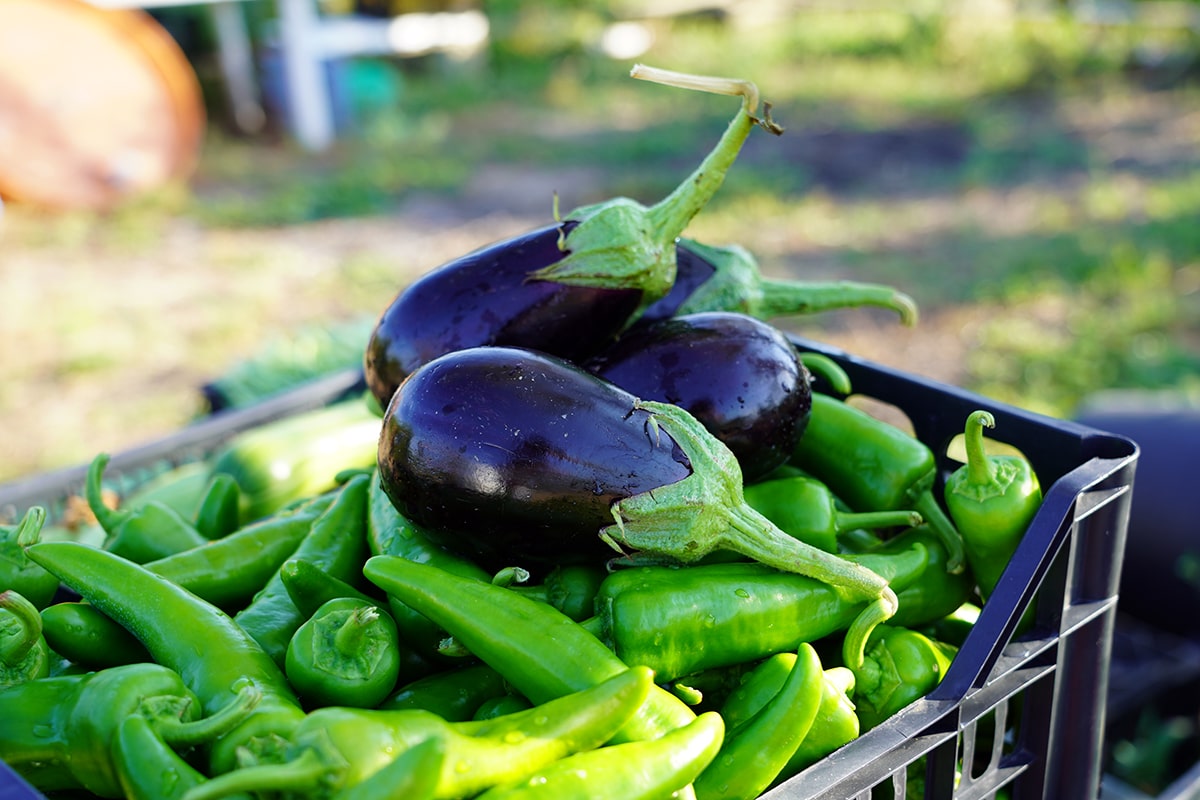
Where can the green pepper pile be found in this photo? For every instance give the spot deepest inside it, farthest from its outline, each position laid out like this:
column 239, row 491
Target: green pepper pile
column 271, row 626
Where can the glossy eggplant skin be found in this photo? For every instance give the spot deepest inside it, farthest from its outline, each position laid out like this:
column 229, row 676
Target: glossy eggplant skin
column 737, row 375
column 514, row 457
column 487, row 298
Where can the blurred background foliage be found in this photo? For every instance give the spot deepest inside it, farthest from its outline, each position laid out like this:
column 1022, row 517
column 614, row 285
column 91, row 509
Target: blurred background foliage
column 1035, row 165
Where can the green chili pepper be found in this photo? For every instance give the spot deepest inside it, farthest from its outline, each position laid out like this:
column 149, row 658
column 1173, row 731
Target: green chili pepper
column 681, row 620
column 540, row 652
column 145, row 533
column 804, row 508
column 835, row 723
column 220, row 507
column 571, row 588
column 954, row 627
column 336, row 543
column 58, row 732
column 901, row 666
column 874, row 466
column 413, row 775
column 453, row 694
column 506, row 703
column 345, row 654
column 335, row 749
column 215, row 657
column 310, row 587
column 390, row 533
column 228, row 572
column 17, row 572
column 649, row 770
column 24, row 655
column 992, row 499
column 147, row 767
column 84, row 635
column 938, row 592
column 755, row 751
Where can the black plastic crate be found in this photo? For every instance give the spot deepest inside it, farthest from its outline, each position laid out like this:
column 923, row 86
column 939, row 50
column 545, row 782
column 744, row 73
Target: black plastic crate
column 1026, row 714
column 1023, row 717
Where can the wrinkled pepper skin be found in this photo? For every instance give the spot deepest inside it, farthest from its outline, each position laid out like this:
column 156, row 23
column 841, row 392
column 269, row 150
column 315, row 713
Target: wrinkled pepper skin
column 174, row 625
column 658, row 768
column 992, row 499
column 901, row 666
column 740, row 377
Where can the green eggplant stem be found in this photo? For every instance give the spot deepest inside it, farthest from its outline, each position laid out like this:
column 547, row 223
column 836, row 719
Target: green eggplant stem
column 674, row 212
column 784, row 298
column 622, row 244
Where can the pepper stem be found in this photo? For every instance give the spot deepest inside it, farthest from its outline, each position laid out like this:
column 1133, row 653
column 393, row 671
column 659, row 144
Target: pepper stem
column 350, row 635
column 300, row 774
column 178, row 733
column 927, row 506
column 16, row 646
column 824, row 367
column 874, row 520
column 110, row 520
column 30, row 526
column 980, row 469
column 854, row 642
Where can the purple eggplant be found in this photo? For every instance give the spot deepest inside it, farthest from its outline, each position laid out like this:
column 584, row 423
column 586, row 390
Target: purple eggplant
column 486, row 298
column 568, row 288
column 737, row 375
column 518, row 458
column 709, row 278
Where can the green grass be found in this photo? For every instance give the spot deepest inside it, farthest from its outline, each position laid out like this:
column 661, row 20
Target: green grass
column 1023, row 207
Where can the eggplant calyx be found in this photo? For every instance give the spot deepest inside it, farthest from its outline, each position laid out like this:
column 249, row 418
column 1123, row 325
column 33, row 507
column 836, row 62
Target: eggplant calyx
column 622, row 244
column 737, row 284
column 707, row 511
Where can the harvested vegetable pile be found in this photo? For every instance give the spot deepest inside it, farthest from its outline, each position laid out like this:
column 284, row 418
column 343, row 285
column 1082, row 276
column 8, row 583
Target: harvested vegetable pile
column 597, row 529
